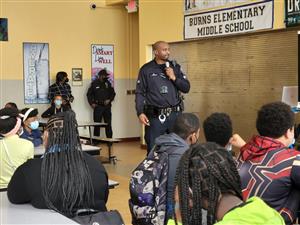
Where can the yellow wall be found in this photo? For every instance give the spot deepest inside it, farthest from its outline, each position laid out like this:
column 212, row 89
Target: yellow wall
column 70, row 28
column 159, row 20
column 163, row 20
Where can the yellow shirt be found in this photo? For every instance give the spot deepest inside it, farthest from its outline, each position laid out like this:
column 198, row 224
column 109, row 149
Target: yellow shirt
column 19, row 151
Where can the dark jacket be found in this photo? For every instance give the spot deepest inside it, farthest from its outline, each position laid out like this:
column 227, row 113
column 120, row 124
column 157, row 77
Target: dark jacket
column 35, row 137
column 99, row 91
column 156, row 89
column 271, row 171
column 52, row 110
column 175, row 146
column 25, row 184
column 60, row 89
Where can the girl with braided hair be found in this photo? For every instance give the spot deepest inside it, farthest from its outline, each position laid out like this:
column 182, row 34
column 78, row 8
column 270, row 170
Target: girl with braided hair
column 207, row 178
column 65, row 179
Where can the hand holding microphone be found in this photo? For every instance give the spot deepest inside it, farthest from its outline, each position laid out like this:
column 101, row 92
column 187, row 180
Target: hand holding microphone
column 170, row 72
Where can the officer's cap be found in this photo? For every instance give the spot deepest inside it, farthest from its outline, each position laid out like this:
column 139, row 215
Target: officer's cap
column 103, row 73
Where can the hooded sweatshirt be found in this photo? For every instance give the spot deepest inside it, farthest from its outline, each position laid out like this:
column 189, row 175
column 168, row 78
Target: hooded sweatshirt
column 247, row 214
column 270, row 170
column 175, row 146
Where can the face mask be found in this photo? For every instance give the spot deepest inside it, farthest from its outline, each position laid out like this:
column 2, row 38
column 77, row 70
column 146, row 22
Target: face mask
column 228, row 147
column 292, row 145
column 34, row 125
column 58, row 102
column 67, row 80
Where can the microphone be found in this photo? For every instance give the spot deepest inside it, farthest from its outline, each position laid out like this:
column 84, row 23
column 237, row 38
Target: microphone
column 167, row 64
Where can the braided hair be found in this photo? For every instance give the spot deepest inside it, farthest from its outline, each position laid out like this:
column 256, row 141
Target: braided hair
column 205, row 172
column 65, row 178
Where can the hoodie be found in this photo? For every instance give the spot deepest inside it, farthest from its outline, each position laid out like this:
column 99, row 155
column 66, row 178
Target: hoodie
column 175, row 146
column 270, row 170
column 247, row 214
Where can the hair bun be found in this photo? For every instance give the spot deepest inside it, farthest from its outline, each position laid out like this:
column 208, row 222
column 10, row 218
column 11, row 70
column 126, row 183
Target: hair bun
column 6, row 113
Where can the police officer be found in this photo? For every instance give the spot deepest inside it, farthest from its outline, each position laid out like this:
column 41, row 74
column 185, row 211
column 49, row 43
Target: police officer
column 158, row 88
column 100, row 95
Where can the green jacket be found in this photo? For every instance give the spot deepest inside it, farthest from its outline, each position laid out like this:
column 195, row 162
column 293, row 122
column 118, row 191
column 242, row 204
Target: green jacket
column 254, row 212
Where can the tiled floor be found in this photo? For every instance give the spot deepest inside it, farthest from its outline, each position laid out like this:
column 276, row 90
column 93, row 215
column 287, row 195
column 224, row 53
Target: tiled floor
column 129, row 155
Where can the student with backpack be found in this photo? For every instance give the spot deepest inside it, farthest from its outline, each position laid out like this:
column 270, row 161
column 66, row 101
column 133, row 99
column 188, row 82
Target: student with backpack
column 152, row 182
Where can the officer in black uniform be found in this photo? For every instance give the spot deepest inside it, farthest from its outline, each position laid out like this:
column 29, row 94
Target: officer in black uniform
column 158, row 100
column 100, row 95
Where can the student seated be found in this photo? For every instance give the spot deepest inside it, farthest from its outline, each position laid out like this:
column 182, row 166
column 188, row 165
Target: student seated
column 11, row 105
column 268, row 168
column 185, row 132
column 30, row 126
column 65, row 179
column 56, row 107
column 207, row 178
column 14, row 151
column 218, row 128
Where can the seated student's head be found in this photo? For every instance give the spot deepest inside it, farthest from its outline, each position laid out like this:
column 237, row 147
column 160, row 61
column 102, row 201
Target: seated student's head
column 57, row 100
column 187, row 126
column 30, row 118
column 64, row 158
column 10, row 122
column 206, row 175
column 276, row 120
column 11, row 105
column 218, row 128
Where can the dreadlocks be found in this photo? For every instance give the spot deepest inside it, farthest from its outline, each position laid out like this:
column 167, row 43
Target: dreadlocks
column 205, row 172
column 65, row 177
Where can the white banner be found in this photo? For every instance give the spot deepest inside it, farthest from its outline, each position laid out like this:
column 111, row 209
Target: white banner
column 36, row 72
column 103, row 58
column 236, row 20
column 196, row 5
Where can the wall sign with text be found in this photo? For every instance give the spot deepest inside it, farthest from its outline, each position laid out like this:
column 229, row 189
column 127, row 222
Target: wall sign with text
column 36, row 72
column 103, row 58
column 292, row 12
column 235, row 20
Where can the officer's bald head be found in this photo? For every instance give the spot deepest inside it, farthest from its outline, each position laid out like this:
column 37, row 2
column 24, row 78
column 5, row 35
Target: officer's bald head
column 161, row 51
column 158, row 44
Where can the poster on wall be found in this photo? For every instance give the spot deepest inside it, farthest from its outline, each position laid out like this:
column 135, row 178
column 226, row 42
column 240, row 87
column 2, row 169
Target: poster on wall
column 103, row 58
column 235, row 20
column 3, row 29
column 36, row 72
column 197, row 5
column 292, row 12
column 77, row 77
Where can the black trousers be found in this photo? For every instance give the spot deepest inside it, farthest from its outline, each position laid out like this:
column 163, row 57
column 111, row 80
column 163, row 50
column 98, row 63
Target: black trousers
column 157, row 128
column 105, row 113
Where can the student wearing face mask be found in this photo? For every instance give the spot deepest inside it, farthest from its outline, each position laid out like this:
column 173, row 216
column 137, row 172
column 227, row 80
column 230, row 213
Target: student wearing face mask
column 267, row 167
column 14, row 151
column 185, row 133
column 30, row 126
column 56, row 107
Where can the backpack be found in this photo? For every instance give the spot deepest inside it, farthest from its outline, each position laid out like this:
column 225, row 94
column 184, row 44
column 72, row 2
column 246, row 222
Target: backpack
column 148, row 189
